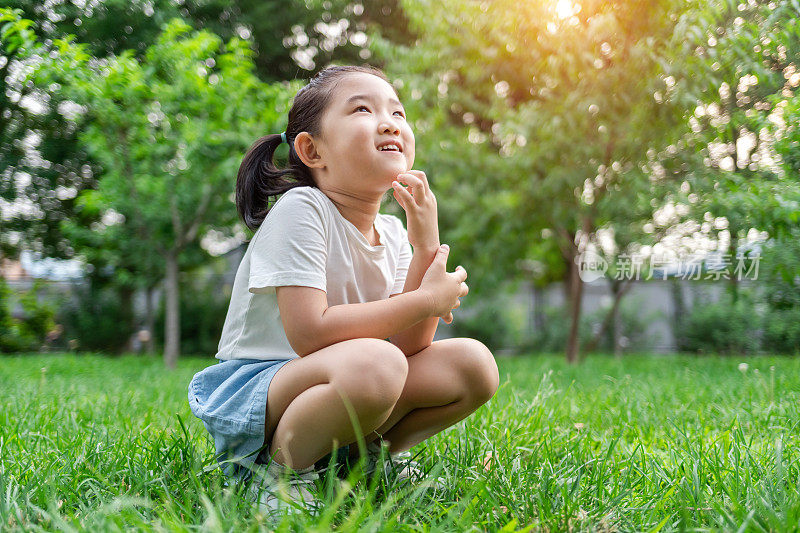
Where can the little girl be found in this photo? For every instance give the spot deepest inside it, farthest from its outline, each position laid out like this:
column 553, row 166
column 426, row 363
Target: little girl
column 332, row 314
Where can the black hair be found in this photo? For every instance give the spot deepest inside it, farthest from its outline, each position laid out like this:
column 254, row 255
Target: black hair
column 258, row 178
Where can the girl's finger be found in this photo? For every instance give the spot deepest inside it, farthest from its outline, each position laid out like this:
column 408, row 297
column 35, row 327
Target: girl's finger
column 410, row 179
column 399, row 201
column 464, row 289
column 423, row 178
column 458, row 304
column 415, row 185
column 448, row 319
column 411, row 186
column 404, row 194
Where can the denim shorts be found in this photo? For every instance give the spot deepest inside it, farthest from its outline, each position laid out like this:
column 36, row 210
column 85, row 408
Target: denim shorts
column 230, row 398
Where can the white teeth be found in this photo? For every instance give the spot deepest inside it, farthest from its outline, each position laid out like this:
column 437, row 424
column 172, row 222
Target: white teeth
column 389, row 148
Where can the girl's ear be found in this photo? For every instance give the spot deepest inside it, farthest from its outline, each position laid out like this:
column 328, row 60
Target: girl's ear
column 306, row 149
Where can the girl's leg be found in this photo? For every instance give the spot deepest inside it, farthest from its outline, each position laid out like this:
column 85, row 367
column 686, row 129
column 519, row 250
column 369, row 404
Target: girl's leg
column 306, row 414
column 446, row 382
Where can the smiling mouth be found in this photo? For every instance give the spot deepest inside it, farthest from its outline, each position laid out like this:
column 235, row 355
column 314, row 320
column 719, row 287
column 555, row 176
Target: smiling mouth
column 389, row 146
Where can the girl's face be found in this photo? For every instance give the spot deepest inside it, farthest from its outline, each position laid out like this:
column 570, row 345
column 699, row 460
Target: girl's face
column 363, row 116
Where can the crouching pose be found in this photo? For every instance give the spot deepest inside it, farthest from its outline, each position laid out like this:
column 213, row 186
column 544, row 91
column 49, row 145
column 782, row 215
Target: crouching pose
column 335, row 305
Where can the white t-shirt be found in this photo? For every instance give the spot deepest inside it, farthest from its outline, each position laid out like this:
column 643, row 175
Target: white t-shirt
column 304, row 240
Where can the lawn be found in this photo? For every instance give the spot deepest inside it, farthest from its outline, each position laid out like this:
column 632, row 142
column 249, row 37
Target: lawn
column 649, row 443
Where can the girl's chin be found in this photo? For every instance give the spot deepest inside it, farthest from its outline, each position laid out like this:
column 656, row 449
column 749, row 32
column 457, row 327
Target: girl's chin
column 389, row 177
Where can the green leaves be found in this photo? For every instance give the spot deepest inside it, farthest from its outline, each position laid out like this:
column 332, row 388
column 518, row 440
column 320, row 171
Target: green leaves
column 15, row 32
column 168, row 131
column 533, row 120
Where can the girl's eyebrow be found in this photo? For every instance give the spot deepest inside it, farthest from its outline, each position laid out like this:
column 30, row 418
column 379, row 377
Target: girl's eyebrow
column 367, row 97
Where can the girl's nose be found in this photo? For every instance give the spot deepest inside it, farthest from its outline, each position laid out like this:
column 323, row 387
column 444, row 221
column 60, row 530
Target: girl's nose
column 388, row 123
column 388, row 126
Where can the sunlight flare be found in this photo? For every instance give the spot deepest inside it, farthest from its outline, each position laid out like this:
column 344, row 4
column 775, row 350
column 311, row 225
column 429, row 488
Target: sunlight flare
column 566, row 8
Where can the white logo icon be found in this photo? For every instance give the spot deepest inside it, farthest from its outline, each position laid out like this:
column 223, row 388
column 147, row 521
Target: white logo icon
column 591, row 266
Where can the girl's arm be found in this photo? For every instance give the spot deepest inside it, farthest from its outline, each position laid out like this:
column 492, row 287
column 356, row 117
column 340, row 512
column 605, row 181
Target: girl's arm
column 311, row 325
column 419, row 203
column 420, row 335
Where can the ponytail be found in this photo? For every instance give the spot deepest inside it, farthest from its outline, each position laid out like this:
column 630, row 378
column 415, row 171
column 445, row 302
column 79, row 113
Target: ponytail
column 259, row 179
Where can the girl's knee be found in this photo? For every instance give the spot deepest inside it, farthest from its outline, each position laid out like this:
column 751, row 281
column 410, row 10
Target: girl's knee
column 480, row 370
column 372, row 375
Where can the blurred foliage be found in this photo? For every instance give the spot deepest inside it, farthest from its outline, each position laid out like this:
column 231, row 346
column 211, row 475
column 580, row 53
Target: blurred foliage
column 550, row 336
column 29, row 332
column 761, row 317
column 545, row 128
column 550, row 121
column 96, row 319
column 281, row 30
column 495, row 320
column 65, row 113
column 42, row 116
column 634, row 324
column 203, row 311
column 780, row 273
column 726, row 326
column 42, row 165
column 780, row 286
column 188, row 109
column 729, row 177
column 542, row 124
column 782, row 331
column 499, row 92
column 730, row 73
column 787, row 122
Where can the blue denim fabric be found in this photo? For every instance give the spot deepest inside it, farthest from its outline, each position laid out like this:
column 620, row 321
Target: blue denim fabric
column 231, row 400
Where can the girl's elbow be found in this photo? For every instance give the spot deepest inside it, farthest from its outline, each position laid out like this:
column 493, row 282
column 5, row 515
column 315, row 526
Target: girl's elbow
column 305, row 334
column 302, row 342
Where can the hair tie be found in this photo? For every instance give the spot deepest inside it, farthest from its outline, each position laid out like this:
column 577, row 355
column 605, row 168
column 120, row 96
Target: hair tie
column 283, row 138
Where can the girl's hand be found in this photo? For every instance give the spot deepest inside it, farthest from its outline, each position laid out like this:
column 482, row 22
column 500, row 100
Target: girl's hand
column 419, row 203
column 443, row 288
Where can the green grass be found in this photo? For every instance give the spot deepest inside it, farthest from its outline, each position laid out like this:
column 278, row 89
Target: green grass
column 650, row 443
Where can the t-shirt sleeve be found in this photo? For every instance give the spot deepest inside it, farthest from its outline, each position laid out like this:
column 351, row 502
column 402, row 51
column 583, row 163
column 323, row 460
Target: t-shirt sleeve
column 291, row 247
column 404, row 259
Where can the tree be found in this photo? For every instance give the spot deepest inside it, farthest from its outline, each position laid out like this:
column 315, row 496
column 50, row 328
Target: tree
column 550, row 108
column 723, row 173
column 42, row 169
column 45, row 168
column 168, row 133
column 619, row 244
column 782, row 255
column 290, row 37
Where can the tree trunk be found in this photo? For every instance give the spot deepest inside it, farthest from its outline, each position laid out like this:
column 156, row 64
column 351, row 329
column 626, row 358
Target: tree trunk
column 618, row 289
column 149, row 321
column 575, row 296
column 126, row 303
column 733, row 283
column 679, row 312
column 617, row 328
column 538, row 308
column 172, row 322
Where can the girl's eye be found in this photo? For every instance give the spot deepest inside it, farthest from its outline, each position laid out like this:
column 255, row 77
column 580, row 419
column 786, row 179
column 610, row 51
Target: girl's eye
column 365, row 107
